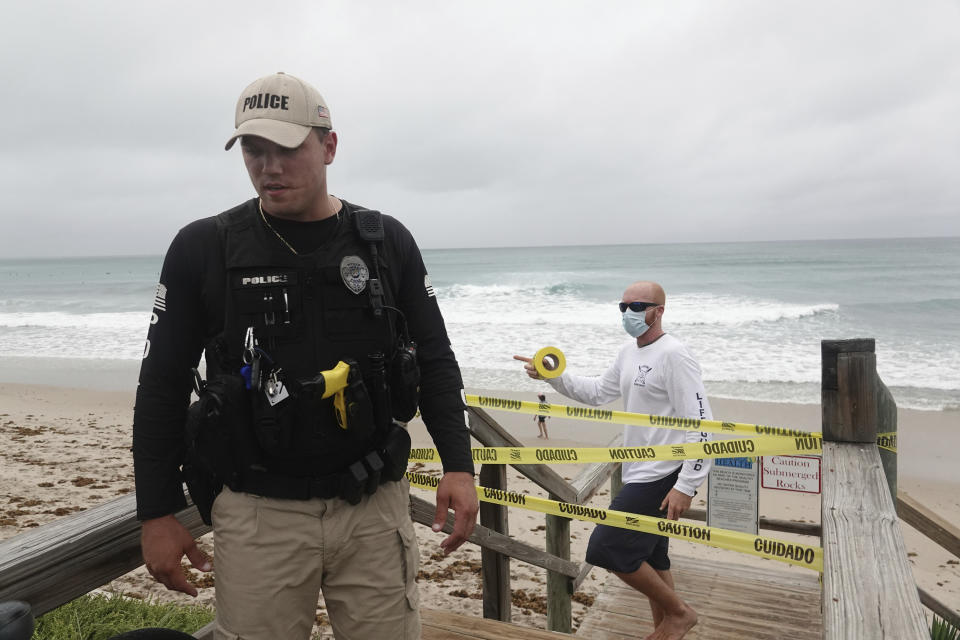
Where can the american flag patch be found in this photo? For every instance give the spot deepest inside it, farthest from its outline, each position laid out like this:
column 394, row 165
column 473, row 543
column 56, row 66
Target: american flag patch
column 428, row 286
column 322, row 111
column 160, row 299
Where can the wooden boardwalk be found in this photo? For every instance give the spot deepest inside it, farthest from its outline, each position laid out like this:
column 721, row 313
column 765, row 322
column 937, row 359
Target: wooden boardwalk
column 442, row 625
column 732, row 601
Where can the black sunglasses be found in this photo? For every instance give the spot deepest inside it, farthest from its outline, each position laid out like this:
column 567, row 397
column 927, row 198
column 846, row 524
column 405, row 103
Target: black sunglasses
column 637, row 306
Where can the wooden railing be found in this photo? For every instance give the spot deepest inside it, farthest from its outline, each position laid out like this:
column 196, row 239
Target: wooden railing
column 868, row 587
column 561, row 584
column 57, row 562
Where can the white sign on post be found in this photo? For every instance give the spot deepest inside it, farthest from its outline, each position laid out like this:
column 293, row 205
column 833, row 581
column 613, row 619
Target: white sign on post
column 791, row 473
column 733, row 494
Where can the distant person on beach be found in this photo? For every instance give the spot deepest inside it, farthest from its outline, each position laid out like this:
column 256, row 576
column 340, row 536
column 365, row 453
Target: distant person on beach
column 654, row 374
column 542, row 420
column 322, row 336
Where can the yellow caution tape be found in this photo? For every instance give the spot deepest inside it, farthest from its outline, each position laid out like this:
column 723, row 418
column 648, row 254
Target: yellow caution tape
column 555, row 354
column 767, row 446
column 885, row 440
column 794, row 553
column 637, row 419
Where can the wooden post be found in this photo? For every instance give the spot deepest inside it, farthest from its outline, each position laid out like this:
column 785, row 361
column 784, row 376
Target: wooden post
column 868, row 586
column 495, row 567
column 887, row 424
column 848, row 390
column 559, row 586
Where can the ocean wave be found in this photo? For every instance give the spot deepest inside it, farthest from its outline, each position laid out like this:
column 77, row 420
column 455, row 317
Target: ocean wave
column 481, row 292
column 743, row 343
column 91, row 345
column 73, row 305
column 118, row 335
column 565, row 289
column 732, row 311
column 534, row 305
column 126, row 320
column 503, row 304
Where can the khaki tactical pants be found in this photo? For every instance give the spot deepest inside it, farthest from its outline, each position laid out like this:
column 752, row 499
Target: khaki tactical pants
column 272, row 557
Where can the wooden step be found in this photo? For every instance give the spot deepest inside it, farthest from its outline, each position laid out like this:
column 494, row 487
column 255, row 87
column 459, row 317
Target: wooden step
column 443, row 625
column 732, row 602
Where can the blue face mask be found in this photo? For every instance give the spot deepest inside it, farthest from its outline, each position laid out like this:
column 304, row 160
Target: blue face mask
column 634, row 322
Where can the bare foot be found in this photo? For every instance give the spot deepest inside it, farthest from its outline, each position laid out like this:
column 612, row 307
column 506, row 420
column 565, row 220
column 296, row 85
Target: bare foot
column 674, row 627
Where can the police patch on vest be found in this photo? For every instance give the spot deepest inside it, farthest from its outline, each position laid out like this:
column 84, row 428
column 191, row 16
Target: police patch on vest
column 354, row 272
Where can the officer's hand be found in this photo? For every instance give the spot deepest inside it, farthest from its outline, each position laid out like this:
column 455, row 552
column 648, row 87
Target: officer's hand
column 531, row 370
column 456, row 491
column 164, row 541
column 675, row 504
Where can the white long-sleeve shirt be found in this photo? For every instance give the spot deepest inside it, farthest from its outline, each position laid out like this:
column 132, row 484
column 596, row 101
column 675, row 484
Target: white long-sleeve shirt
column 660, row 378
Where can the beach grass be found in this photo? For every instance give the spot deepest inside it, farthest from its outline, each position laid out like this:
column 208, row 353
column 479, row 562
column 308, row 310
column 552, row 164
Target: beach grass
column 98, row 617
column 943, row 630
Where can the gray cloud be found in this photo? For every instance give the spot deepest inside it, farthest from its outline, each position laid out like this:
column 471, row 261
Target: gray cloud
column 499, row 123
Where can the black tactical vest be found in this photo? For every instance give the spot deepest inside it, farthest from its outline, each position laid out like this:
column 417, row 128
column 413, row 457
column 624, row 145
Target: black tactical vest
column 307, row 313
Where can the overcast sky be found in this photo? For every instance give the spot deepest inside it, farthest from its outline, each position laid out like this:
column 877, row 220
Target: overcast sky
column 492, row 123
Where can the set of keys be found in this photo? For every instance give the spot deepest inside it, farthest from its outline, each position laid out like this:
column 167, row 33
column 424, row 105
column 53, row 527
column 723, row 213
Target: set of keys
column 252, row 371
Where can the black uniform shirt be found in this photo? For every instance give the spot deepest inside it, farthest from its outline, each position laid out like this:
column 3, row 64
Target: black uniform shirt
column 186, row 316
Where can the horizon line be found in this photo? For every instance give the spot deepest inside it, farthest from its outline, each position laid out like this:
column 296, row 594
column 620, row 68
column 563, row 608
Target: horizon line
column 519, row 246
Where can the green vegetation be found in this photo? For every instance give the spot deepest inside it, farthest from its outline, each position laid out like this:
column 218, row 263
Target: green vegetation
column 98, row 617
column 943, row 630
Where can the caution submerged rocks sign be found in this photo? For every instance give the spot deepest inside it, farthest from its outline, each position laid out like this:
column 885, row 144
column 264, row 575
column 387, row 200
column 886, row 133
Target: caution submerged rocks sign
column 791, row 473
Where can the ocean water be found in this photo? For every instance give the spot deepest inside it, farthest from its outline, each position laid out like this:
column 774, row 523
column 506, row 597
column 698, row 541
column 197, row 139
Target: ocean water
column 753, row 313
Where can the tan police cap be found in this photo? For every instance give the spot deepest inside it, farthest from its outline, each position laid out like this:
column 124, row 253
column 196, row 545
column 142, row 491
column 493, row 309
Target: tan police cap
column 280, row 108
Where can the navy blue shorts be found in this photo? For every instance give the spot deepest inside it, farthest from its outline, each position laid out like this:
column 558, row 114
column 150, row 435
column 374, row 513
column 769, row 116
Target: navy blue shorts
column 624, row 550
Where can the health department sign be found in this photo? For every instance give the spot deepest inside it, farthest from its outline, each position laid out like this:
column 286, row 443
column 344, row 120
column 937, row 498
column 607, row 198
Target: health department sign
column 733, row 494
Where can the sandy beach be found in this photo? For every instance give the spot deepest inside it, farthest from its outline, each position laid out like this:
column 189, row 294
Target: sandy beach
column 66, row 450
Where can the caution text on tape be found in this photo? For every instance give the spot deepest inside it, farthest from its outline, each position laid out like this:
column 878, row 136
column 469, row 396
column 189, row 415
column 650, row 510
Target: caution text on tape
column 687, row 451
column 788, row 552
column 626, row 417
column 885, row 440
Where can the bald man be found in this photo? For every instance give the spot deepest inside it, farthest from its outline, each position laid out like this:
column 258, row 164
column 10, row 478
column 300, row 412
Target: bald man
column 655, row 374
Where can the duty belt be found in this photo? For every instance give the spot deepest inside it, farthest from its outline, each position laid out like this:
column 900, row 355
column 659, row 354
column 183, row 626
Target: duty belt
column 363, row 476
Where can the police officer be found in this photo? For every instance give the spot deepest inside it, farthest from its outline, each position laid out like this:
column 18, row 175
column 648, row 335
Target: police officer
column 319, row 326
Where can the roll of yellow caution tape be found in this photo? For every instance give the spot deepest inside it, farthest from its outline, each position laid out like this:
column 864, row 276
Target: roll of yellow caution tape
column 556, row 355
